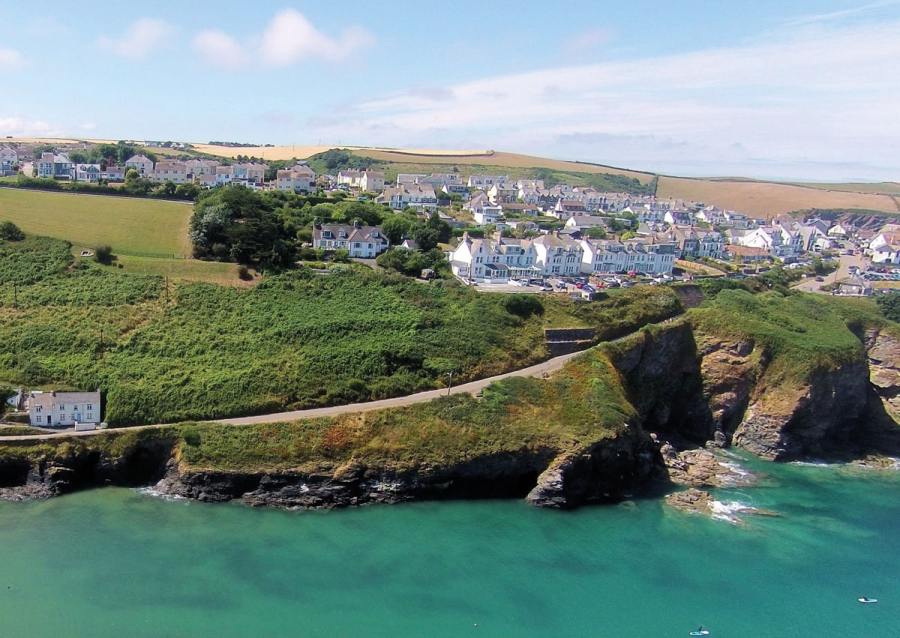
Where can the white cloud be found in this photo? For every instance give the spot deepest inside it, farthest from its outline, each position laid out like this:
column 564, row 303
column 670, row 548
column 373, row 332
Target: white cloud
column 87, row 126
column 798, row 96
column 220, row 49
column 10, row 59
column 289, row 38
column 140, row 39
column 20, row 126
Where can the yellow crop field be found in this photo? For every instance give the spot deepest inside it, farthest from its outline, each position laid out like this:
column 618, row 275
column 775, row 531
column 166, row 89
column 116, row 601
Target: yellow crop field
column 767, row 199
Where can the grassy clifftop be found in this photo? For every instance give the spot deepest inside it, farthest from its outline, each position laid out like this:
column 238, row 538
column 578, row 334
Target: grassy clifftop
column 582, row 404
column 797, row 333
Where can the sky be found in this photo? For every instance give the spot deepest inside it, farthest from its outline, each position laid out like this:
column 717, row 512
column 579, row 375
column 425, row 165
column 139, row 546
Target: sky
column 787, row 89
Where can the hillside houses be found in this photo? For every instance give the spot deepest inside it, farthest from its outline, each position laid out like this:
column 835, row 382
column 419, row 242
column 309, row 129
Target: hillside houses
column 609, row 256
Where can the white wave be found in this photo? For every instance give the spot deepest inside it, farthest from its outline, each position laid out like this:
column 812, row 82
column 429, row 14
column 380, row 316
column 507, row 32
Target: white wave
column 729, row 511
column 155, row 493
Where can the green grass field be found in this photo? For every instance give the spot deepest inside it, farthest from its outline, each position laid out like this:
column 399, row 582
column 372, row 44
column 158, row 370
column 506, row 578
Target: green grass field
column 214, row 272
column 132, row 226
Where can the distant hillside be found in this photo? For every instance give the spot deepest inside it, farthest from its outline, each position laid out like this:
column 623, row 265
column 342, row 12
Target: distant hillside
column 761, row 198
column 767, row 199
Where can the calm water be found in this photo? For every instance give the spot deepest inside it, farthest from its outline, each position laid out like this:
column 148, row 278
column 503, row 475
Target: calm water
column 116, row 562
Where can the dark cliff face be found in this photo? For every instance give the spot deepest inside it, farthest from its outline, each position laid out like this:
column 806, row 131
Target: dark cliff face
column 661, row 371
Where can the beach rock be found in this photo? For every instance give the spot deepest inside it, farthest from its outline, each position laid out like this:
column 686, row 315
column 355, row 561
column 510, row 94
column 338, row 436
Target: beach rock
column 700, row 467
column 693, row 501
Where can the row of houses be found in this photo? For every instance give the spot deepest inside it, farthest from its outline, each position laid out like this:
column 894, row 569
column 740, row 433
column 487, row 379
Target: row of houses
column 498, row 259
column 83, row 410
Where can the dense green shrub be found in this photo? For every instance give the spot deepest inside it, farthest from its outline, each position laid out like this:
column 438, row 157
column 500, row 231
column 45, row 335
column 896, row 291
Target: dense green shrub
column 889, row 304
column 10, row 232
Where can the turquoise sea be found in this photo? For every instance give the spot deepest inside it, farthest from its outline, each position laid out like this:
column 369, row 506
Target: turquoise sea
column 117, row 562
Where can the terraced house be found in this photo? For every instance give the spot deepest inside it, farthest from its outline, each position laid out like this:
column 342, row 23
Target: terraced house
column 170, row 171
column 494, row 260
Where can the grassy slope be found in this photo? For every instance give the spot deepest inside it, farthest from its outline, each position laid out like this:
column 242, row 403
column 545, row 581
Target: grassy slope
column 580, row 405
column 132, row 226
column 884, row 188
column 296, row 340
column 583, row 403
column 766, row 199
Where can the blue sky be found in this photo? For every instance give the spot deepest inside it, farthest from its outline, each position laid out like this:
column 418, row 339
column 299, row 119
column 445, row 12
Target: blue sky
column 767, row 89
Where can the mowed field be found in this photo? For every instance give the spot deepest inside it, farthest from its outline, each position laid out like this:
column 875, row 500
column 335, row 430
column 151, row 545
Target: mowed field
column 132, row 226
column 767, row 199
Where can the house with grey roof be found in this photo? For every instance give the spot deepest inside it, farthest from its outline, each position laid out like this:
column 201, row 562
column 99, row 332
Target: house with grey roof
column 365, row 242
column 63, row 409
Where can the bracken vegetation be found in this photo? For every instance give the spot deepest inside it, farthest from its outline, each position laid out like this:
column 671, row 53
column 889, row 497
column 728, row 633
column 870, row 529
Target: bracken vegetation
column 200, row 351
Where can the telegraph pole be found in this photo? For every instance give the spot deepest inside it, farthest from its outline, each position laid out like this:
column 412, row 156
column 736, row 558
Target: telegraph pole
column 450, row 381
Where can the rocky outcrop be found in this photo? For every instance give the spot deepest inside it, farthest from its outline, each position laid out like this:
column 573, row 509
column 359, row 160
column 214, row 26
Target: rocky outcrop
column 606, row 471
column 883, row 352
column 699, row 467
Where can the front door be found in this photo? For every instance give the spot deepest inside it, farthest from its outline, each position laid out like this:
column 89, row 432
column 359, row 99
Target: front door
column 49, row 420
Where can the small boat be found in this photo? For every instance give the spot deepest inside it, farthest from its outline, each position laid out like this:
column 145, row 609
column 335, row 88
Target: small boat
column 700, row 632
column 865, row 600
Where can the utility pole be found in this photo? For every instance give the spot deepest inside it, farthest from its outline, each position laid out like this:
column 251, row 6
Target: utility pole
column 450, row 381
column 15, row 296
column 167, row 290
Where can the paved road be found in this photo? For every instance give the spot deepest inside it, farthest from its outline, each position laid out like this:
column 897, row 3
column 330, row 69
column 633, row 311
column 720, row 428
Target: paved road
column 846, row 261
column 473, row 387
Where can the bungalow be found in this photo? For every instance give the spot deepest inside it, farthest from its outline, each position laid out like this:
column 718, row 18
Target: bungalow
column 141, row 163
column 56, row 409
column 170, row 171
column 584, row 222
column 420, row 197
column 747, row 254
column 88, row 173
column 9, row 160
column 840, row 231
column 55, row 166
column 360, row 241
column 855, row 287
column 443, row 179
column 299, row 178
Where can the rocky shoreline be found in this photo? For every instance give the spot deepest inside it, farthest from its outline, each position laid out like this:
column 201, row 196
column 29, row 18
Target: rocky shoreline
column 693, row 396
